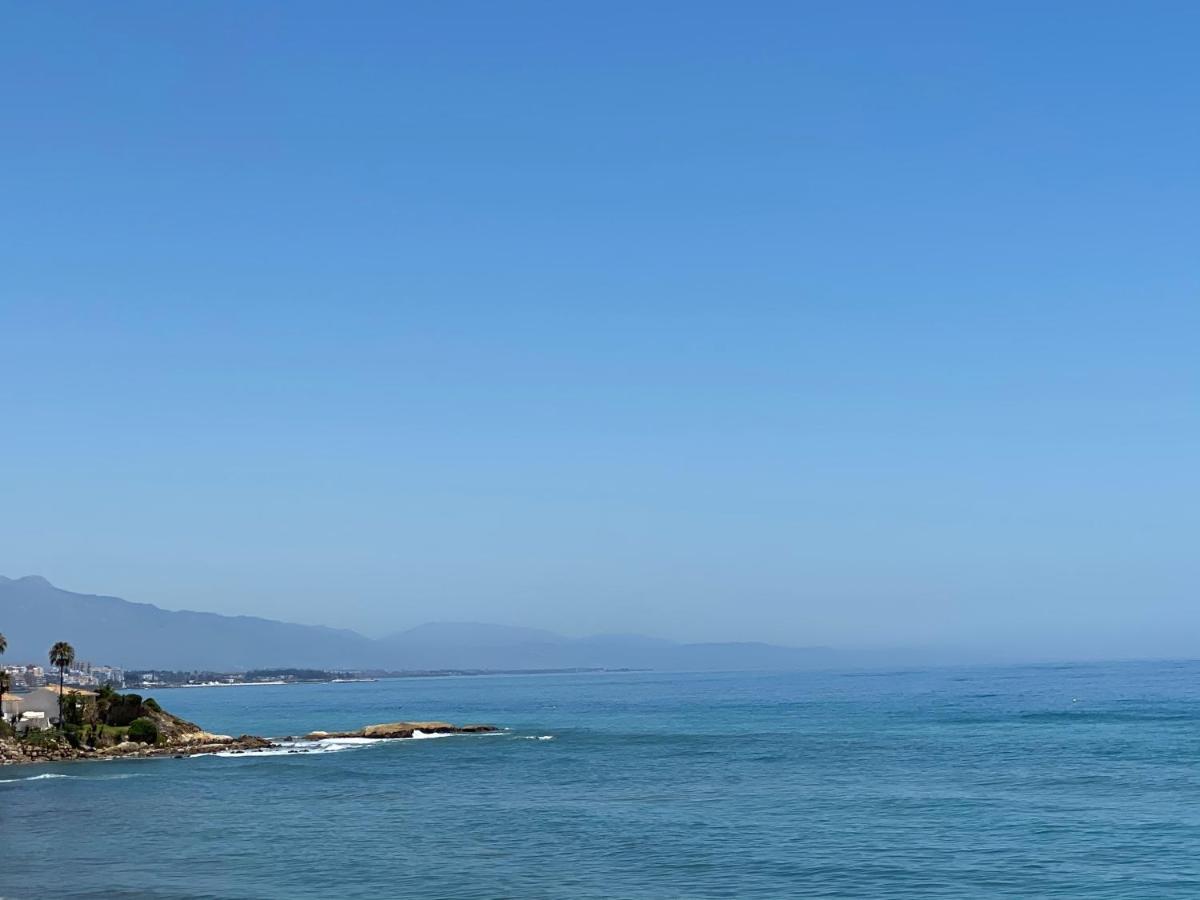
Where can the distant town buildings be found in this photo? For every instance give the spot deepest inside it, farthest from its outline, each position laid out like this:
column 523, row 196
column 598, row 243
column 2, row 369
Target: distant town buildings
column 25, row 678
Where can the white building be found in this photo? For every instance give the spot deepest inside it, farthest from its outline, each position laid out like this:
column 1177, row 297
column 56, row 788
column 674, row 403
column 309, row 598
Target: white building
column 10, row 705
column 33, row 721
column 45, row 700
column 15, row 714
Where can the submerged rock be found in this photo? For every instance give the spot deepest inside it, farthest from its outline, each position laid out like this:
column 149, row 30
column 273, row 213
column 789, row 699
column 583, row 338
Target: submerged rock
column 401, row 730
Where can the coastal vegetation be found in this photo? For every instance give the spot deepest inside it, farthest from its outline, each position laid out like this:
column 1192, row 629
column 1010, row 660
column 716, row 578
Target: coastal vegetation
column 109, row 718
column 5, row 686
column 104, row 723
column 92, row 730
column 143, row 730
column 62, row 655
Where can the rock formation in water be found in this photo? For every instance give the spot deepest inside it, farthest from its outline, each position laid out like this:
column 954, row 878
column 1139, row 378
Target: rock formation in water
column 402, row 730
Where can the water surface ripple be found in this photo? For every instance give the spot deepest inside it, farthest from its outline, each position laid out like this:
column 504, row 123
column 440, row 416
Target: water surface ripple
column 1037, row 781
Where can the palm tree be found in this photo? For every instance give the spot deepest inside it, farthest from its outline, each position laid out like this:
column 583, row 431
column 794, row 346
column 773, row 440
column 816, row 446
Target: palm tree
column 62, row 655
column 5, row 683
column 5, row 686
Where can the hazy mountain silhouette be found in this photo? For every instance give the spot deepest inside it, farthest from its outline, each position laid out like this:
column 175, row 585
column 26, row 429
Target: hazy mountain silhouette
column 34, row 614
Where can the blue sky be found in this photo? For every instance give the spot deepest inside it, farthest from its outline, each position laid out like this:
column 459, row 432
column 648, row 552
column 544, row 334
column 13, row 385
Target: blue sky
column 843, row 323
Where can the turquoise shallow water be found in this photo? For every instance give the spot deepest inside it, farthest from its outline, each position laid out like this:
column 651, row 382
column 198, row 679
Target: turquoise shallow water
column 1042, row 781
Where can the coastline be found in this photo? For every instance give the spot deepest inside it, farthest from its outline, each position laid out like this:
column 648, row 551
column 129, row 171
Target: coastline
column 16, row 753
column 211, row 684
column 203, row 743
column 390, row 676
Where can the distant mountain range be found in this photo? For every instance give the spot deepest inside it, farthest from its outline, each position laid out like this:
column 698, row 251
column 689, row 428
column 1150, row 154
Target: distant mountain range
column 34, row 614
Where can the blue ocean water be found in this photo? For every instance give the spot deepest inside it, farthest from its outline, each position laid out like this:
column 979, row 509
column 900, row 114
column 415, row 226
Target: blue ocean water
column 1077, row 781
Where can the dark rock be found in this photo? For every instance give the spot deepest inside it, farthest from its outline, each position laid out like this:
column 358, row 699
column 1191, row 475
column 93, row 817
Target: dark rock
column 402, row 730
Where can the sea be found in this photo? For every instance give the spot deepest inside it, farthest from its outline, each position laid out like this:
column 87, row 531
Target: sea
column 1054, row 781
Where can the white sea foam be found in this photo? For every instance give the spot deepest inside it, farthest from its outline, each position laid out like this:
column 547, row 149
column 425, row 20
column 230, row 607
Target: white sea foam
column 47, row 776
column 292, row 748
column 419, row 735
column 538, row 737
column 43, row 777
column 346, row 743
column 327, row 745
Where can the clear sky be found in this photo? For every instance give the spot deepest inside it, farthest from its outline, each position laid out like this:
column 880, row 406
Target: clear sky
column 844, row 323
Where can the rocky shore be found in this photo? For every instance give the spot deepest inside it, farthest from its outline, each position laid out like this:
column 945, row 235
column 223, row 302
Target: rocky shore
column 180, row 738
column 57, row 749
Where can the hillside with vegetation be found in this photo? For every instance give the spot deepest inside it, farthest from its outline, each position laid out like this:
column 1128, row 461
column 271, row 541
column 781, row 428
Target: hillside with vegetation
column 104, row 724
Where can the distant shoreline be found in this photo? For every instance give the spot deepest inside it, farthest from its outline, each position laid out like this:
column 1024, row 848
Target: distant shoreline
column 206, row 684
column 388, row 676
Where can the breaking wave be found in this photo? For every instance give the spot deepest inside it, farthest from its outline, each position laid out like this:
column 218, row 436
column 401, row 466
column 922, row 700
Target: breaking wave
column 48, row 776
column 44, row 777
column 419, row 735
column 292, row 748
column 325, row 745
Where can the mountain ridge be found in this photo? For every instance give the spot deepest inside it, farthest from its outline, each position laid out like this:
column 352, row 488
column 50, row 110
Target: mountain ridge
column 105, row 629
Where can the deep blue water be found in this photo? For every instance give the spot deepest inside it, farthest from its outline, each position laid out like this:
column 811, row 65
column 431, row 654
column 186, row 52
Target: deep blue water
column 1077, row 781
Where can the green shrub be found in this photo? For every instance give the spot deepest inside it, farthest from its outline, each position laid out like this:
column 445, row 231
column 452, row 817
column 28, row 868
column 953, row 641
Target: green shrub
column 47, row 739
column 151, row 703
column 110, row 735
column 144, row 731
column 123, row 709
column 73, row 708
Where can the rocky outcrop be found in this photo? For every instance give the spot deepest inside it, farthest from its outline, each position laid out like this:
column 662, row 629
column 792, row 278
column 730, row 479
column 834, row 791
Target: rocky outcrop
column 178, row 737
column 402, row 730
column 52, row 748
column 199, row 744
column 49, row 750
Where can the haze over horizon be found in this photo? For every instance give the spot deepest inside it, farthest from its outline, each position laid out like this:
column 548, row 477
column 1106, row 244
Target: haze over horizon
column 881, row 334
